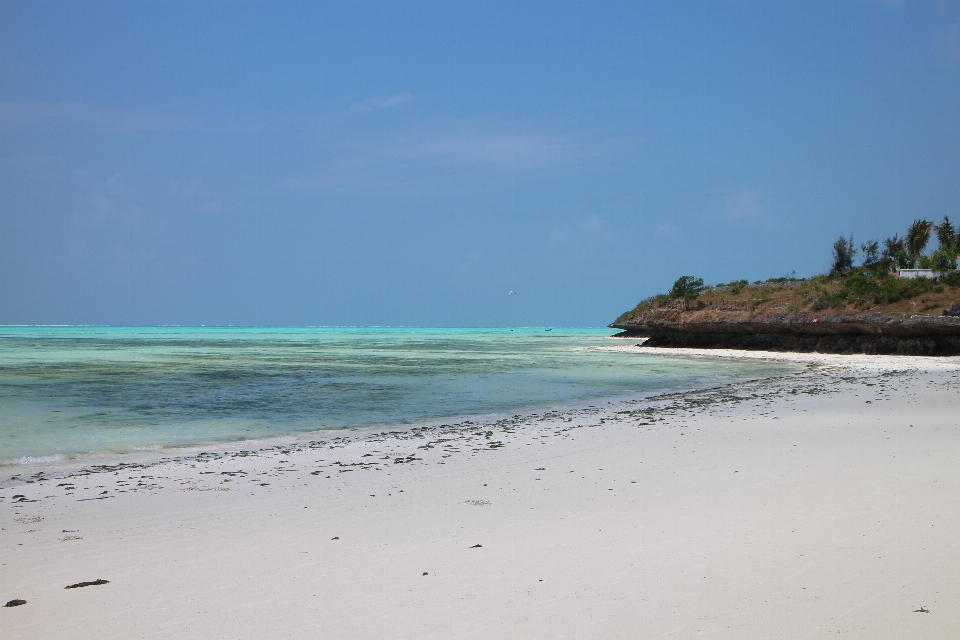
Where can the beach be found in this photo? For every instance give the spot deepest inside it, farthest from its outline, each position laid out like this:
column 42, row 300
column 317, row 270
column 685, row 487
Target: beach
column 816, row 504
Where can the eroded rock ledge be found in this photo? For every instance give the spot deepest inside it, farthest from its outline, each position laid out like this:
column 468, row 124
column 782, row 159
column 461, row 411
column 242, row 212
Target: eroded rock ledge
column 802, row 332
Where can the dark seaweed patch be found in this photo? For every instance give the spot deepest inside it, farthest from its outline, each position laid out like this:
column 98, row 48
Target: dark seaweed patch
column 87, row 584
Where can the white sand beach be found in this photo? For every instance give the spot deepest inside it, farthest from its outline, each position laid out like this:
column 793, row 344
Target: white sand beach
column 822, row 504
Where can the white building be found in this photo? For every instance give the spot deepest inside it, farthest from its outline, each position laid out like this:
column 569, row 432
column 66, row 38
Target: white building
column 917, row 273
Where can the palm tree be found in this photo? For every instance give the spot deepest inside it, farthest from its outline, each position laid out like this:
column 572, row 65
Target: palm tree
column 918, row 235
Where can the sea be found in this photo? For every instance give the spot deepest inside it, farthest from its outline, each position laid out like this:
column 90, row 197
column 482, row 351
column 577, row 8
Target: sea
column 75, row 391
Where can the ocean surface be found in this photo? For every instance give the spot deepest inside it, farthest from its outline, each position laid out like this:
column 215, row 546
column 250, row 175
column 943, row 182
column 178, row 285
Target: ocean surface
column 78, row 390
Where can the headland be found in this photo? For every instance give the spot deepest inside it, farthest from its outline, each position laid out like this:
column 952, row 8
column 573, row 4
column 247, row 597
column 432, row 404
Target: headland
column 845, row 315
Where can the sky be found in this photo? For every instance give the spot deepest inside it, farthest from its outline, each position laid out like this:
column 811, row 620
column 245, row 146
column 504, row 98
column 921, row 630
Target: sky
column 410, row 163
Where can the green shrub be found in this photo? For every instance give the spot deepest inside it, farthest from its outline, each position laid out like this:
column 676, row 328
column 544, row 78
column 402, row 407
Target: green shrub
column 737, row 286
column 642, row 307
column 790, row 278
column 828, row 301
column 951, row 278
column 942, row 261
column 864, row 288
column 687, row 288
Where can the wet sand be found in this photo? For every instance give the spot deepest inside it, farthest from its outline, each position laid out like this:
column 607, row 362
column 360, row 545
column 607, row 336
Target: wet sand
column 815, row 505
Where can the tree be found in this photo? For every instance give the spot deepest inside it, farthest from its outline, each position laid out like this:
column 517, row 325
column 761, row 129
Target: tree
column 687, row 287
column 918, row 235
column 893, row 245
column 843, row 253
column 871, row 253
column 894, row 252
column 943, row 260
column 948, row 238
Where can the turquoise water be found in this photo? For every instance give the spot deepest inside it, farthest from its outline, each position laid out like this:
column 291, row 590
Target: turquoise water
column 71, row 390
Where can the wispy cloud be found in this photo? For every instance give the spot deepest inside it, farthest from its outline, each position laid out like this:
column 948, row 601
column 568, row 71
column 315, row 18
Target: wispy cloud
column 199, row 195
column 381, row 102
column 592, row 226
column 947, row 42
column 36, row 114
column 745, row 205
column 214, row 207
column 187, row 188
column 668, row 229
column 427, row 155
column 470, row 143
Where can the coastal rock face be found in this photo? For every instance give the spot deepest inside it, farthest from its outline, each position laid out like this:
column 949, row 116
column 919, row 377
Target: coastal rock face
column 803, row 332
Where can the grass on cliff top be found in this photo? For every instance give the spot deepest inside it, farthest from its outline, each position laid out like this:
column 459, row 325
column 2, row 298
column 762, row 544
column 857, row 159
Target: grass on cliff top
column 855, row 291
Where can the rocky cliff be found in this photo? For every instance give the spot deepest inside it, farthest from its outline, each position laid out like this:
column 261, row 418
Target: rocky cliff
column 871, row 333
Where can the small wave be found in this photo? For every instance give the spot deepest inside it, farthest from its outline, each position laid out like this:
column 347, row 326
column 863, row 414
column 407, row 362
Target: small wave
column 35, row 459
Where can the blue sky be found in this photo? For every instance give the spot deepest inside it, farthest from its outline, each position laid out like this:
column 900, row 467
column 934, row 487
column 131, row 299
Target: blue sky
column 407, row 163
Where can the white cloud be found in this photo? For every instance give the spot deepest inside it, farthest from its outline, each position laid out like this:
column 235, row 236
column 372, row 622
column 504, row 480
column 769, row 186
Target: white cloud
column 115, row 182
column 591, row 226
column 27, row 114
column 593, row 223
column 381, row 102
column 558, row 235
column 214, row 207
column 477, row 147
column 186, row 188
column 101, row 205
column 947, row 42
column 745, row 205
column 510, row 145
column 668, row 229
column 428, row 157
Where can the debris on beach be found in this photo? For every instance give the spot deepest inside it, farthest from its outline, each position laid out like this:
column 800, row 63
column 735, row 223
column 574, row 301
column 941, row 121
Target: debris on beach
column 87, row 584
column 18, row 602
column 28, row 520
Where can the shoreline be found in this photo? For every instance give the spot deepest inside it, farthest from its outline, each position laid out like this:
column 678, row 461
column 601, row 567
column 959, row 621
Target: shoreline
column 60, row 464
column 64, row 465
column 778, row 505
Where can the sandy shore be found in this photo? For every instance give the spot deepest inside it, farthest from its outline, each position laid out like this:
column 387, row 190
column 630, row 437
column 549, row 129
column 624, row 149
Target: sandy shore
column 816, row 505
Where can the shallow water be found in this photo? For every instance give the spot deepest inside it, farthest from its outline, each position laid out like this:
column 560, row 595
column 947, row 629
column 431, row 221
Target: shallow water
column 71, row 390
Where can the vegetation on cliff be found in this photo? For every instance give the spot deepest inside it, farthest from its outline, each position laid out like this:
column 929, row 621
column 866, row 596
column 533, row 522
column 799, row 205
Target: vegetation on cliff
column 873, row 285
